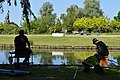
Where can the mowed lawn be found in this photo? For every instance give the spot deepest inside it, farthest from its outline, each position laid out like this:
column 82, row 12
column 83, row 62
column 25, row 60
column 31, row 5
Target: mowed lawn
column 67, row 40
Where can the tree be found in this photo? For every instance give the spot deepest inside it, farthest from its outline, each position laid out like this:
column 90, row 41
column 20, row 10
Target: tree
column 63, row 19
column 70, row 17
column 80, row 13
column 25, row 5
column 46, row 9
column 47, row 17
column 11, row 28
column 117, row 18
column 7, row 18
column 58, row 27
column 93, row 24
column 92, row 8
column 115, row 25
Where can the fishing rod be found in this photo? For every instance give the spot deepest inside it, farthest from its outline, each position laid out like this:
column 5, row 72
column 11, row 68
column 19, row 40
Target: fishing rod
column 74, row 77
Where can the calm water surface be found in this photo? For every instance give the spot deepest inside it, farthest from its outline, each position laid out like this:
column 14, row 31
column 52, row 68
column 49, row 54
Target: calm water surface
column 58, row 57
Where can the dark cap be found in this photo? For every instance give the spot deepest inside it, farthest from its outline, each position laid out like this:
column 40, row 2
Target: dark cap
column 94, row 40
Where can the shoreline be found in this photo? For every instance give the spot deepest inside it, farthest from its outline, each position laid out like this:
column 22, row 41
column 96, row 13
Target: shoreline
column 38, row 47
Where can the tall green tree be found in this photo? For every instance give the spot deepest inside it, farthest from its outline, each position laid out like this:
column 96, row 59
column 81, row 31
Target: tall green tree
column 70, row 17
column 80, row 13
column 92, row 8
column 47, row 15
column 63, row 19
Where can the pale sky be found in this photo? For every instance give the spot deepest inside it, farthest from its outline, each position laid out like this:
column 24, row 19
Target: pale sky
column 110, row 8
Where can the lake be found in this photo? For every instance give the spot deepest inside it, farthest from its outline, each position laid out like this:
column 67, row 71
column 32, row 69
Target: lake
column 59, row 57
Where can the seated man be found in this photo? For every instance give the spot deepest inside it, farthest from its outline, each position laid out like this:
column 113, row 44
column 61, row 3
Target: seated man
column 20, row 47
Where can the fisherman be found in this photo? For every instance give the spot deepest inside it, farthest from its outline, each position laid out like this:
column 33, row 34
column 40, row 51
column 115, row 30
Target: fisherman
column 21, row 48
column 102, row 52
column 98, row 60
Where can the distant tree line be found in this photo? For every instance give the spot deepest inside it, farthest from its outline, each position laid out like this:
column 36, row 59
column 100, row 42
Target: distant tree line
column 88, row 18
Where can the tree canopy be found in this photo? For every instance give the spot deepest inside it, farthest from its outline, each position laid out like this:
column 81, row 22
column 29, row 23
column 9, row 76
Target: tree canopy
column 90, row 17
column 92, row 8
column 25, row 5
column 117, row 18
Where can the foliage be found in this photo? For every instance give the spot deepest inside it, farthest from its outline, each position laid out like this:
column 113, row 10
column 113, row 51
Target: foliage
column 25, row 5
column 47, row 17
column 96, row 23
column 115, row 25
column 80, row 13
column 57, row 27
column 92, row 8
column 10, row 28
column 89, row 18
column 69, row 19
column 117, row 18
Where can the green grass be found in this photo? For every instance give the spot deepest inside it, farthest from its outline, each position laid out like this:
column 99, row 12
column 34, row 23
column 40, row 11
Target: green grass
column 62, row 73
column 66, row 72
column 68, row 40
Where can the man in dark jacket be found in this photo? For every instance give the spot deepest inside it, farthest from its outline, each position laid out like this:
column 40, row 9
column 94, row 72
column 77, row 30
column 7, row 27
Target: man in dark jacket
column 20, row 46
column 97, row 60
column 102, row 52
column 101, row 47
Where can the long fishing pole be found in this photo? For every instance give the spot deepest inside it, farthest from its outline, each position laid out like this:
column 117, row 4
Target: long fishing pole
column 74, row 77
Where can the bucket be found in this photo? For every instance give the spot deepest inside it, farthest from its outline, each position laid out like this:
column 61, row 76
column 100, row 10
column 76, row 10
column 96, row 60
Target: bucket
column 104, row 61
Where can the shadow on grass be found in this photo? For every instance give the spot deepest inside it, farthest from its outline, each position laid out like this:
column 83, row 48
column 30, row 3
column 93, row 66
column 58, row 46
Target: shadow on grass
column 61, row 73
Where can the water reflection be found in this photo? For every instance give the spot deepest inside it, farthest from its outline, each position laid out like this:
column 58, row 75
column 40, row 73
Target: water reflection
column 4, row 56
column 53, row 57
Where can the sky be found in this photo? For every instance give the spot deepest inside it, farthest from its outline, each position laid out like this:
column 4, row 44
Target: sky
column 109, row 7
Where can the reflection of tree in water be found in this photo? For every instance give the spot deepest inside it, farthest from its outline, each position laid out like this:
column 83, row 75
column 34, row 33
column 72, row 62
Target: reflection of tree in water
column 45, row 57
column 6, row 53
column 70, row 58
column 59, row 57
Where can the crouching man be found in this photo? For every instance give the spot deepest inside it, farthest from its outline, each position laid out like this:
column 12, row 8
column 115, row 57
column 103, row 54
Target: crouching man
column 97, row 61
column 102, row 52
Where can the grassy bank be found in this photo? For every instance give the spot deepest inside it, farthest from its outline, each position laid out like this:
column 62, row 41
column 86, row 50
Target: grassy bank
column 62, row 73
column 67, row 40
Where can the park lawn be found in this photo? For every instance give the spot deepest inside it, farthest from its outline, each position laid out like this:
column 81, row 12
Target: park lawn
column 65, row 72
column 67, row 40
column 61, row 73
